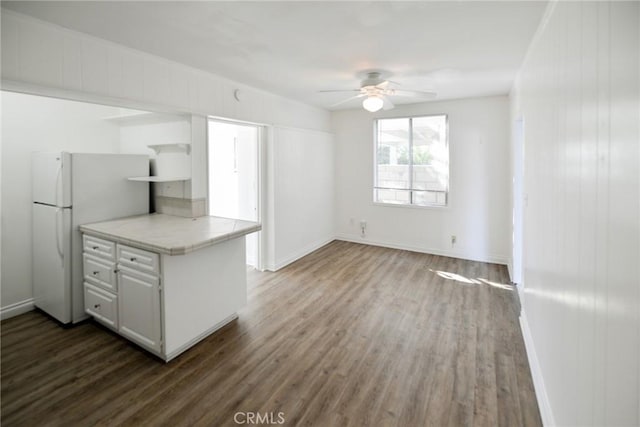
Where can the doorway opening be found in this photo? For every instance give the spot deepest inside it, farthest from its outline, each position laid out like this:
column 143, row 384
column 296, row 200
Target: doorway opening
column 234, row 177
column 518, row 203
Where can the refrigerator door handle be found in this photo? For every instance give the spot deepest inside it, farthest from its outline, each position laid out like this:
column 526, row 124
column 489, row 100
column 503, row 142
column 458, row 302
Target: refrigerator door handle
column 59, row 201
column 59, row 231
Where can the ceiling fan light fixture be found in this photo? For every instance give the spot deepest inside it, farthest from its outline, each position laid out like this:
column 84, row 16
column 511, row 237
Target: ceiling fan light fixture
column 372, row 103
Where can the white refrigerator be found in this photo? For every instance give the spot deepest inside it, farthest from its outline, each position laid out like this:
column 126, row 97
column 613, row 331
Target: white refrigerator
column 70, row 189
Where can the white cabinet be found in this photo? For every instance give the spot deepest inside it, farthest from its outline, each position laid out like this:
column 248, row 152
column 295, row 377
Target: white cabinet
column 138, row 259
column 139, row 307
column 164, row 303
column 122, row 290
column 103, row 306
column 100, row 283
column 100, row 272
column 99, row 247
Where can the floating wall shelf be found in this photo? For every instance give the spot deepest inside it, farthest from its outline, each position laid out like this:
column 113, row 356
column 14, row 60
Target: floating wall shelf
column 146, row 118
column 159, row 178
column 171, row 148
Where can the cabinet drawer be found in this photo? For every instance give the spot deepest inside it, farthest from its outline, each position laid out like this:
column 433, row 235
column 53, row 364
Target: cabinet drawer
column 139, row 259
column 100, row 247
column 102, row 305
column 100, row 272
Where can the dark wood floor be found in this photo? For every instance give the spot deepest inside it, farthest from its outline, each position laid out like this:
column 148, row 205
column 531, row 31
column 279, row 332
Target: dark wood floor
column 349, row 335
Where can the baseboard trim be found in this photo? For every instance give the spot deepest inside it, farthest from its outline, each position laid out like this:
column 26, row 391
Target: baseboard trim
column 494, row 259
column 178, row 351
column 296, row 256
column 16, row 309
column 536, row 373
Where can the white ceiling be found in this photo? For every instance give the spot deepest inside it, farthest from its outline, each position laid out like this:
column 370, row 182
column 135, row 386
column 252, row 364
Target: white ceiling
column 455, row 48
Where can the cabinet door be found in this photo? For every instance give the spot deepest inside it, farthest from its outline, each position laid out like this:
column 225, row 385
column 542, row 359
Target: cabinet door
column 139, row 308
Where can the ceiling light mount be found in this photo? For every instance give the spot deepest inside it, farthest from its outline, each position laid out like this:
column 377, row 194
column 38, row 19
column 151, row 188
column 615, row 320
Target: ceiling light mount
column 372, row 103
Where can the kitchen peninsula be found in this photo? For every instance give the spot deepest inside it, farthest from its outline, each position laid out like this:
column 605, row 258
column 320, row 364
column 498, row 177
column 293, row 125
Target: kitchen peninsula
column 165, row 282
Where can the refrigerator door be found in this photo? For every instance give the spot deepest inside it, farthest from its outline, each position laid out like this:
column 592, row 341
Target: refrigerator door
column 102, row 192
column 51, row 178
column 52, row 260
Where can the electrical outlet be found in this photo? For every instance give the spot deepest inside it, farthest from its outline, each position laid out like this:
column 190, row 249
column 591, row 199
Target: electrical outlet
column 352, row 222
column 453, row 239
column 363, row 224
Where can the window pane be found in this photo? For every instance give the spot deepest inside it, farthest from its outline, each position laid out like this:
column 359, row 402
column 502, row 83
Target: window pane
column 392, row 155
column 429, row 198
column 412, row 161
column 430, row 154
column 392, row 196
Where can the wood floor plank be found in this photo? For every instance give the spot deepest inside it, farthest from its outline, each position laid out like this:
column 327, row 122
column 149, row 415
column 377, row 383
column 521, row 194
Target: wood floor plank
column 509, row 412
column 348, row 335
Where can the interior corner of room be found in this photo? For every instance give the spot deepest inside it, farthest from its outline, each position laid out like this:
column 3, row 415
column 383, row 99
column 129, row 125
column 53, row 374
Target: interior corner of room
column 520, row 220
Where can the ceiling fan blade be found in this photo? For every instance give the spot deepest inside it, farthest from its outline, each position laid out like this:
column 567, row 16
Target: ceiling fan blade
column 386, row 84
column 339, row 90
column 387, row 104
column 344, row 101
column 413, row 93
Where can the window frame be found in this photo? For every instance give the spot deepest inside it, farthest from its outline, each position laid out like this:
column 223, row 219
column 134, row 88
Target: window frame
column 410, row 205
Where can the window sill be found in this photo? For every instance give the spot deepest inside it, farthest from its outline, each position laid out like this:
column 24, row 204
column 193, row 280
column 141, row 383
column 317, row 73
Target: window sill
column 399, row 205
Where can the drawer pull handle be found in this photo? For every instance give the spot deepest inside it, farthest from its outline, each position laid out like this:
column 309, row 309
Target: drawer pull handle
column 95, row 273
column 133, row 259
column 96, row 306
column 95, row 248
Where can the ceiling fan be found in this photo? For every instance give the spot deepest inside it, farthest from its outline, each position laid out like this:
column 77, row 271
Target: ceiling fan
column 376, row 91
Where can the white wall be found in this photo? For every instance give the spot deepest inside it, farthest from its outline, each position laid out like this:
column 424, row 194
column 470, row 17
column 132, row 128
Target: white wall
column 135, row 138
column 578, row 93
column 41, row 58
column 478, row 212
column 34, row 123
column 301, row 194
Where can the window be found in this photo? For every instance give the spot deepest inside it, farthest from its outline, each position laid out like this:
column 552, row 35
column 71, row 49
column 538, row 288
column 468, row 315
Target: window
column 412, row 161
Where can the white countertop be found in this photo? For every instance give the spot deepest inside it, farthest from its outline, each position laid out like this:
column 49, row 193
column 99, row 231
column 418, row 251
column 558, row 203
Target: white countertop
column 171, row 235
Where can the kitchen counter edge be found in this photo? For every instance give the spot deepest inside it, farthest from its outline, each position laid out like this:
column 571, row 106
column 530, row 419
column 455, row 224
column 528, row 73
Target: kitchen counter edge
column 168, row 250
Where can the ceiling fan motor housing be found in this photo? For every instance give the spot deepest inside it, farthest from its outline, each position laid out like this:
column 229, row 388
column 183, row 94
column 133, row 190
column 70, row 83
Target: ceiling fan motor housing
column 373, row 79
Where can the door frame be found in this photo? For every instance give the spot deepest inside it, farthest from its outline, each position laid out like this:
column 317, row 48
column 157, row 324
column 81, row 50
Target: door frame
column 261, row 174
column 519, row 204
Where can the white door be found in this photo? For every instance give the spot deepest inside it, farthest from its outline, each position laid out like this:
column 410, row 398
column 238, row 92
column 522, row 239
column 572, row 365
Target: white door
column 234, row 184
column 139, row 307
column 52, row 260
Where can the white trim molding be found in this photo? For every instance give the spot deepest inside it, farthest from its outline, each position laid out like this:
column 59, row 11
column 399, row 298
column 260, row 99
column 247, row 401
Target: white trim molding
column 536, row 373
column 178, row 351
column 494, row 259
column 16, row 309
column 299, row 254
